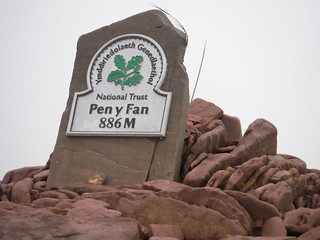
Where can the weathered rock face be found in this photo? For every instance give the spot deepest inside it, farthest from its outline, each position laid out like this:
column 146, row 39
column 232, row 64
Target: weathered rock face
column 274, row 227
column 240, row 187
column 259, row 139
column 21, row 191
column 211, row 163
column 140, row 158
column 314, row 233
column 302, row 220
column 16, row 175
column 257, row 209
column 165, row 231
column 34, row 225
column 189, row 217
column 206, row 112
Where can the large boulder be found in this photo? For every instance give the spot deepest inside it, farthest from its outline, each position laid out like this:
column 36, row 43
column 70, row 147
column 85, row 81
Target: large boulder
column 208, row 142
column 259, row 139
column 92, row 209
column 20, row 173
column 301, row 220
column 93, row 213
column 256, row 208
column 280, row 195
column 215, row 199
column 207, row 112
column 312, row 234
column 200, row 175
column 14, row 207
column 21, row 191
column 233, row 127
column 41, row 176
column 285, row 161
column 196, row 222
column 274, row 227
column 39, row 224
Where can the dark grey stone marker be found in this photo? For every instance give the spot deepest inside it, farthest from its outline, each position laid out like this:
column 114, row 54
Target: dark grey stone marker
column 126, row 160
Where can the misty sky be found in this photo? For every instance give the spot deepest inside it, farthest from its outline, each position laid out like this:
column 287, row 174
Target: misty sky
column 262, row 61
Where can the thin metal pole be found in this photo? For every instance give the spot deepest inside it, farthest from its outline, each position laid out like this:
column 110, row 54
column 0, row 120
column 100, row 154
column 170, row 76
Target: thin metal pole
column 203, row 53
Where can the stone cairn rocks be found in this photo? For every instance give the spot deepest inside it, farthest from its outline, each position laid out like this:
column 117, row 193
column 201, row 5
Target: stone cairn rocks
column 233, row 186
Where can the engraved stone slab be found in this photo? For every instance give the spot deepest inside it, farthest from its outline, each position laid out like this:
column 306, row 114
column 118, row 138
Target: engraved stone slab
column 131, row 151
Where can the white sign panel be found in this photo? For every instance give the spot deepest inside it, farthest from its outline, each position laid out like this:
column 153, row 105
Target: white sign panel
column 123, row 96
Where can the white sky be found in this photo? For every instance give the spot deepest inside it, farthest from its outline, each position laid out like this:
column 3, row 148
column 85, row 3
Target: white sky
column 262, row 60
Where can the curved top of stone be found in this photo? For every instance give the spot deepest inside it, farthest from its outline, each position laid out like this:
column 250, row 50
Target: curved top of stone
column 159, row 19
column 158, row 26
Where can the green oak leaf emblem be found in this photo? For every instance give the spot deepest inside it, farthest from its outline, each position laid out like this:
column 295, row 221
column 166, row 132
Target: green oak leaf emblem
column 126, row 74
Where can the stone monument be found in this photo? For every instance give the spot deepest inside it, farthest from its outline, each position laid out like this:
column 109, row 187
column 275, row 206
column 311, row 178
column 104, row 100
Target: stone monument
column 127, row 107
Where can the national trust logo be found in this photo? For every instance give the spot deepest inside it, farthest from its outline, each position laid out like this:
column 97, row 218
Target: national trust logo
column 126, row 74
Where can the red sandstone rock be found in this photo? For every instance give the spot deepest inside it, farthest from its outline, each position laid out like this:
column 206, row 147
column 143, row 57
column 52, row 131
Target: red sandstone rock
column 245, row 171
column 280, row 195
column 64, row 204
column 4, row 212
column 163, row 238
column 3, row 188
column 21, row 191
column 87, row 202
column 199, row 159
column 301, row 220
column 256, row 208
column 70, row 194
column 163, row 185
column 280, row 176
column 220, row 178
column 157, row 210
column 258, row 238
column 14, row 207
column 45, row 202
column 40, row 185
column 208, row 142
column 274, row 227
column 267, row 175
column 19, row 174
column 205, row 110
column 233, row 126
column 259, row 139
column 38, row 224
column 215, row 199
column 200, row 175
column 41, row 176
column 4, row 198
column 165, row 230
column 283, row 161
column 312, row 234
column 92, row 212
column 51, row 194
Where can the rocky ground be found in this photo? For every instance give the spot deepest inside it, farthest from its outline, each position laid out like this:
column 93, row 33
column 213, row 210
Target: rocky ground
column 232, row 186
